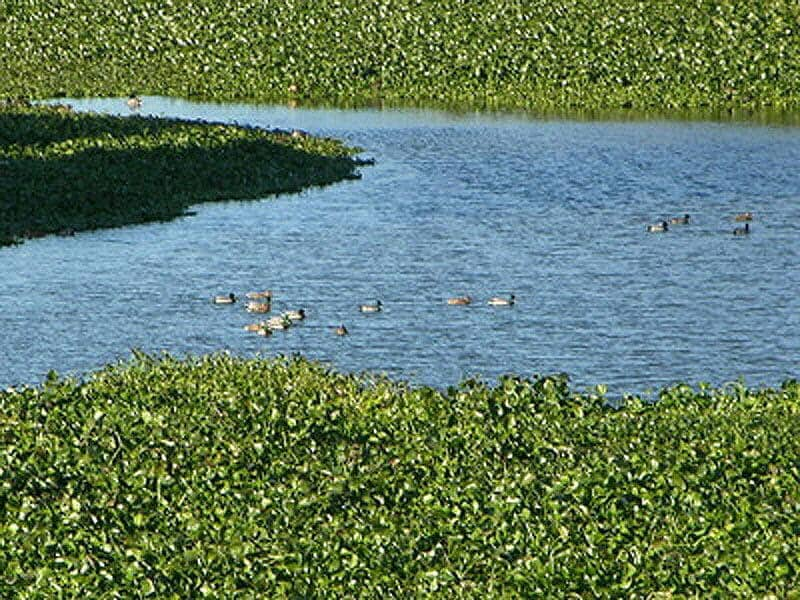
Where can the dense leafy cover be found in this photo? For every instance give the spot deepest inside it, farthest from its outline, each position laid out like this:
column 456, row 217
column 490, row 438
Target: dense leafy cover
column 264, row 478
column 61, row 170
column 566, row 53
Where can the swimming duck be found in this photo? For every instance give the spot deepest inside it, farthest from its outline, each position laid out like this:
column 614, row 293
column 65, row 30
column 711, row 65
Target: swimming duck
column 498, row 301
column 259, row 307
column 742, row 230
column 229, row 299
column 745, row 216
column 341, row 330
column 263, row 295
column 658, row 227
column 264, row 331
column 278, row 323
column 684, row 220
column 460, row 300
column 295, row 315
column 371, row 307
column 133, row 102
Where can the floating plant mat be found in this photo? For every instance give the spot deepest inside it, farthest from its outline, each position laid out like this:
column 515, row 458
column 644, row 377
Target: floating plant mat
column 62, row 171
column 224, row 476
column 496, row 52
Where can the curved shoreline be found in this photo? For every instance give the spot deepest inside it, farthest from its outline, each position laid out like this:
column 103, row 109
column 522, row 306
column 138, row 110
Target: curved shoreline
column 62, row 171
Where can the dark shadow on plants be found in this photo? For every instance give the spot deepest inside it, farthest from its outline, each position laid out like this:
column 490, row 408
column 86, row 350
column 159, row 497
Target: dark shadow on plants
column 62, row 172
column 26, row 124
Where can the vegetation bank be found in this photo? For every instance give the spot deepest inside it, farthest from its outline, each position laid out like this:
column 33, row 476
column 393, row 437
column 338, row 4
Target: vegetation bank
column 498, row 53
column 63, row 171
column 243, row 478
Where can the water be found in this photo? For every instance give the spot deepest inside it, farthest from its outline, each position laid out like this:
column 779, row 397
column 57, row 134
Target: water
column 551, row 210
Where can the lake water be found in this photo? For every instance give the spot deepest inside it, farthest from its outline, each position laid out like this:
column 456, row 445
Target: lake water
column 551, row 210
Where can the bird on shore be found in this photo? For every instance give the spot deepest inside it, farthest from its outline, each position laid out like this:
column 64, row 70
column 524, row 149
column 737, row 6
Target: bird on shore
column 134, row 102
column 745, row 216
column 377, row 307
column 263, row 295
column 460, row 300
column 229, row 299
column 658, row 227
column 259, row 307
column 499, row 301
column 684, row 220
column 341, row 330
column 742, row 230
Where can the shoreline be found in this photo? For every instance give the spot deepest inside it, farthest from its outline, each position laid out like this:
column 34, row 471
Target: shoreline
column 153, row 168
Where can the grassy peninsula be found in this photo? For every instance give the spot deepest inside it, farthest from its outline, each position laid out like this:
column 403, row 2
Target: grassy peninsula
column 497, row 53
column 227, row 477
column 63, row 171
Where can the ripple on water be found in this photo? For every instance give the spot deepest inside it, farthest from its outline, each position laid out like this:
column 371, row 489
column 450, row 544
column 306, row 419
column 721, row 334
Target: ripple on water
column 553, row 211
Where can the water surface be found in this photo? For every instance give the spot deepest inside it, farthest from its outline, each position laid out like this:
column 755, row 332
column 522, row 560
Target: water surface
column 551, row 210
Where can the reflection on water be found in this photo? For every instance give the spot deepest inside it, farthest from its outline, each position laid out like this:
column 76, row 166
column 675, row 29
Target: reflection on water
column 551, row 210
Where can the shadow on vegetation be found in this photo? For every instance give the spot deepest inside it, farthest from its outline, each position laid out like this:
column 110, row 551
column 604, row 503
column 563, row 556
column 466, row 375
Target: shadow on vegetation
column 62, row 171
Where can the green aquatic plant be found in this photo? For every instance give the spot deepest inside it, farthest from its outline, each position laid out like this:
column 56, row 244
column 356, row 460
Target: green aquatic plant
column 229, row 477
column 496, row 53
column 62, row 171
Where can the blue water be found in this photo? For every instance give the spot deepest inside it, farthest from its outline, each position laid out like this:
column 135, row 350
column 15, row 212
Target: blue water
column 553, row 211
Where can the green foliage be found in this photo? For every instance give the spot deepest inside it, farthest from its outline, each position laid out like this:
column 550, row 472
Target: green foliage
column 273, row 478
column 506, row 53
column 62, row 171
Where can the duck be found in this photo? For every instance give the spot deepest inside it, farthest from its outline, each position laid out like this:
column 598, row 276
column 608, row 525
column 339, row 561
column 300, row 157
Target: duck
column 460, row 300
column 341, row 330
column 498, row 301
column 264, row 331
column 745, row 216
column 262, row 295
column 377, row 307
column 134, row 102
column 259, row 307
column 742, row 230
column 229, row 299
column 278, row 323
column 684, row 220
column 295, row 315
column 254, row 326
column 658, row 227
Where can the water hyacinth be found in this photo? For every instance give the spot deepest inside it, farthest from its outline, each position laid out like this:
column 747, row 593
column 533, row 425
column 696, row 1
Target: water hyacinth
column 62, row 171
column 225, row 476
column 498, row 53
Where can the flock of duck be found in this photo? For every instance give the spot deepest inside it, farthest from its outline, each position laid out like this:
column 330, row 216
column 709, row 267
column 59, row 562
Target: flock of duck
column 261, row 302
column 684, row 220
